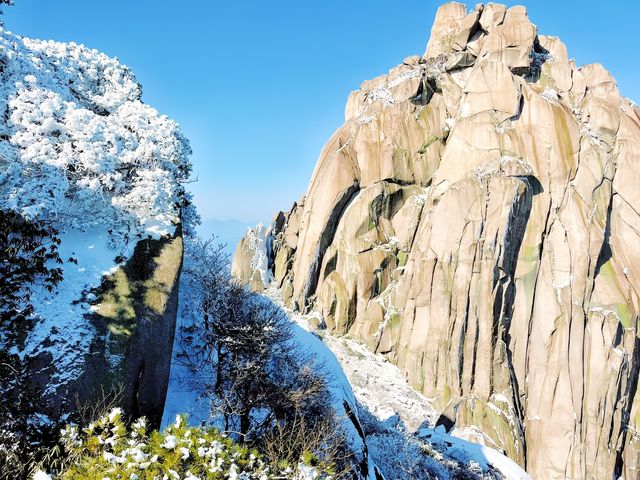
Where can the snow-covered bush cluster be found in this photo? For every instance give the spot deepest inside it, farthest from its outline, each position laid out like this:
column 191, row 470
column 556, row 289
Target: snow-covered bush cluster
column 78, row 146
column 108, row 449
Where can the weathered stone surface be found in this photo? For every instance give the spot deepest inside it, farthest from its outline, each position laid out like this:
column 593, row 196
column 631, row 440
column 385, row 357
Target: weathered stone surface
column 492, row 16
column 467, row 28
column 253, row 259
column 242, row 266
column 476, row 220
column 446, row 29
column 490, row 87
column 134, row 316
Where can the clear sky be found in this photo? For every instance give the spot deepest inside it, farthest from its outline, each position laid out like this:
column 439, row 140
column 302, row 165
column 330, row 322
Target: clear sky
column 259, row 86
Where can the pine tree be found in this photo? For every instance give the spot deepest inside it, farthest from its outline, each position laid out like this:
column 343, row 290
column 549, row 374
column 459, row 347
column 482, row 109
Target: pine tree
column 28, row 253
column 28, row 257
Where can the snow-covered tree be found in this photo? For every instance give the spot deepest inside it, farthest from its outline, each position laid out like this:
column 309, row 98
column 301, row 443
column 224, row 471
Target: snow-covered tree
column 5, row 2
column 240, row 349
column 28, row 255
column 78, row 146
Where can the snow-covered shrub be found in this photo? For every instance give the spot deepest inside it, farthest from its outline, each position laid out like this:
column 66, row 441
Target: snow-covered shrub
column 24, row 435
column 108, row 448
column 78, row 146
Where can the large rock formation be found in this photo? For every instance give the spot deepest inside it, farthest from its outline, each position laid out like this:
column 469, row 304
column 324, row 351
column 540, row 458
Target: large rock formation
column 135, row 318
column 80, row 152
column 476, row 220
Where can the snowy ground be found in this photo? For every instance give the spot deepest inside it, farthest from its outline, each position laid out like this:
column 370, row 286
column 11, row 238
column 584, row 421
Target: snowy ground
column 467, row 452
column 370, row 373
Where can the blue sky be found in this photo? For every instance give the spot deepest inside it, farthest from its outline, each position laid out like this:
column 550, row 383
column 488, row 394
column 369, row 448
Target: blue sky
column 258, row 87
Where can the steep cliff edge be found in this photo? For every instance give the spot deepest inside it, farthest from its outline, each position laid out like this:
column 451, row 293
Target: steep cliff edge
column 475, row 219
column 81, row 153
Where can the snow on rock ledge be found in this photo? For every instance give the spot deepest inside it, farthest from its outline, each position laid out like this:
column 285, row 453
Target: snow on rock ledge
column 252, row 257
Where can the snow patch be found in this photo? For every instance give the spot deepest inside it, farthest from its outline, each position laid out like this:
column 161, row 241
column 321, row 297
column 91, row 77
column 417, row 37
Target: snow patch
column 403, row 77
column 467, row 452
column 381, row 94
column 369, row 372
column 449, row 123
column 550, row 95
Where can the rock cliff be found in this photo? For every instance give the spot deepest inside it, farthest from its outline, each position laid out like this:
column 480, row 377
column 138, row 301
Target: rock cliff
column 81, row 153
column 476, row 220
column 135, row 317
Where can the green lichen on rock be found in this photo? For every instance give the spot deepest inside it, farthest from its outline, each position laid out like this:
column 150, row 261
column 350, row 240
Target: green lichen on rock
column 546, row 80
column 402, row 258
column 431, row 139
column 116, row 304
column 158, row 288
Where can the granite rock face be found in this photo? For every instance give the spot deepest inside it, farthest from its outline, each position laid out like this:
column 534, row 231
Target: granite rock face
column 137, row 308
column 133, row 315
column 476, row 219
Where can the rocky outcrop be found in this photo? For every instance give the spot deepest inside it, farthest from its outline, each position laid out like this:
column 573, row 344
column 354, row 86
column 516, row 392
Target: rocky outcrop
column 106, row 176
column 135, row 317
column 251, row 258
column 475, row 219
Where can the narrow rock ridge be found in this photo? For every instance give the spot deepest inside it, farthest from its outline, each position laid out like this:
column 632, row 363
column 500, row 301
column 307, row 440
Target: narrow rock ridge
column 490, row 249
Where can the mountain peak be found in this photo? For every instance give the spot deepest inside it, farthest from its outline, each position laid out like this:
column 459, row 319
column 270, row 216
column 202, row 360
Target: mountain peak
column 490, row 32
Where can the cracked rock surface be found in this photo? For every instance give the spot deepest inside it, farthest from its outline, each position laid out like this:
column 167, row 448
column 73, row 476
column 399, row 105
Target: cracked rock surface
column 477, row 220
